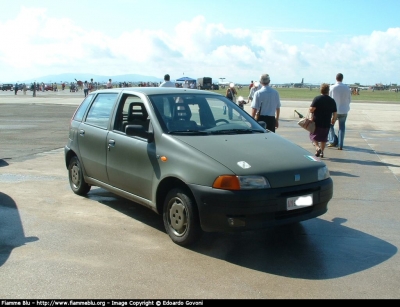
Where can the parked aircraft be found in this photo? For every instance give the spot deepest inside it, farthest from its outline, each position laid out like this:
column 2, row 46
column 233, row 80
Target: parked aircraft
column 299, row 84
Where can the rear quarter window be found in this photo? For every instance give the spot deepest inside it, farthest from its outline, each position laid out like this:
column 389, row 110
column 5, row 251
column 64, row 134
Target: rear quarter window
column 80, row 112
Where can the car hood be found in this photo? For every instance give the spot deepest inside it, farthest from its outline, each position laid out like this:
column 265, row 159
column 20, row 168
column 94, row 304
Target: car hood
column 266, row 154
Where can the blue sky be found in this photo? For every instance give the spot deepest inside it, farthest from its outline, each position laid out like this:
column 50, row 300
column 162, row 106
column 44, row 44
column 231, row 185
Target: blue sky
column 235, row 40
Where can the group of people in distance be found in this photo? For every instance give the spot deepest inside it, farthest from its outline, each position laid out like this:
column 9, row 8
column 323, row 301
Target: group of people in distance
column 326, row 109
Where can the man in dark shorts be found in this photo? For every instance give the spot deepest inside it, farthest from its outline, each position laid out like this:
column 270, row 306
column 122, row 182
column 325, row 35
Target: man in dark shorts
column 323, row 109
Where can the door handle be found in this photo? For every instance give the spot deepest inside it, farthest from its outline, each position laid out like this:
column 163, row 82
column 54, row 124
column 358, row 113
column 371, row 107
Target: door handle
column 111, row 143
column 82, row 132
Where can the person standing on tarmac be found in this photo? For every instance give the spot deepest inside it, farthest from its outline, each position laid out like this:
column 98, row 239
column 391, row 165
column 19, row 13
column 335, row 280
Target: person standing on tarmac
column 109, row 84
column 255, row 87
column 85, row 88
column 266, row 100
column 167, row 82
column 341, row 93
column 34, row 90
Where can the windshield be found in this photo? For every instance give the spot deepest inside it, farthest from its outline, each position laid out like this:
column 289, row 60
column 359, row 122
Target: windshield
column 202, row 114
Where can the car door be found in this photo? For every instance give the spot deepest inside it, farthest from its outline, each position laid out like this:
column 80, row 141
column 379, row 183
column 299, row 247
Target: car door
column 92, row 136
column 131, row 161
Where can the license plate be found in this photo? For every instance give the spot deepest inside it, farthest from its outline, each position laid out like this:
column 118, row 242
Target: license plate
column 298, row 202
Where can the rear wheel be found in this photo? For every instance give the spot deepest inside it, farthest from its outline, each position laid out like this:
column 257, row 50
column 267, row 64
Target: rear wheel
column 75, row 174
column 181, row 218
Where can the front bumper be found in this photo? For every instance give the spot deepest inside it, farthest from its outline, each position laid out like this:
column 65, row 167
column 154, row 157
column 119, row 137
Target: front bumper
column 226, row 211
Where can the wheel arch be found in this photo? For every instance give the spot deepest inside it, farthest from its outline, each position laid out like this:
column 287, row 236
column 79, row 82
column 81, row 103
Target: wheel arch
column 166, row 185
column 69, row 154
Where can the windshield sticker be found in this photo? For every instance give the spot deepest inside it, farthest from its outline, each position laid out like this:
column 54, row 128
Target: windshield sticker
column 312, row 158
column 244, row 164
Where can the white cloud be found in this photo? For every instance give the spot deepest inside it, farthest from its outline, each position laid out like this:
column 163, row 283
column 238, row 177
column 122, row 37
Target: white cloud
column 37, row 44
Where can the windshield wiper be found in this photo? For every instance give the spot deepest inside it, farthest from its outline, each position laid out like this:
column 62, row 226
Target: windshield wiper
column 232, row 131
column 192, row 132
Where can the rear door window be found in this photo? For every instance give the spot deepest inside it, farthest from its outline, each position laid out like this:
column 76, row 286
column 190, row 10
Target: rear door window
column 100, row 111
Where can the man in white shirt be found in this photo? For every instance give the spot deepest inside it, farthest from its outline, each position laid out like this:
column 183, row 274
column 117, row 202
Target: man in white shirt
column 267, row 102
column 341, row 93
column 109, row 84
column 167, row 82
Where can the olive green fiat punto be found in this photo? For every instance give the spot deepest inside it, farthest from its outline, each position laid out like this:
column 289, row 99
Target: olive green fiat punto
column 195, row 157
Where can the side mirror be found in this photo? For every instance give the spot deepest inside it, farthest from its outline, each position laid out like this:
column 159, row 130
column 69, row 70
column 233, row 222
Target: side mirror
column 262, row 124
column 140, row 131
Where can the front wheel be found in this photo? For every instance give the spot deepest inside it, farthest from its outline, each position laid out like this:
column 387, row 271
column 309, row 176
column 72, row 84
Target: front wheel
column 181, row 219
column 75, row 174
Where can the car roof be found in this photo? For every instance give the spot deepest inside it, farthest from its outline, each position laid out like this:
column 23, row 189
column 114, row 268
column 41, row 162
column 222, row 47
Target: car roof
column 158, row 90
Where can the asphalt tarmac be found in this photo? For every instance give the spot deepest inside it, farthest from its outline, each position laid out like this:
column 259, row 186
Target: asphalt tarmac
column 55, row 244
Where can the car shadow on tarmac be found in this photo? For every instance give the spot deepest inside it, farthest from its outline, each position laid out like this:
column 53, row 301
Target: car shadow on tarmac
column 313, row 249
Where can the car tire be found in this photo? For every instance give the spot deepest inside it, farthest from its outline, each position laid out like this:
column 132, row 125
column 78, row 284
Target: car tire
column 181, row 219
column 75, row 175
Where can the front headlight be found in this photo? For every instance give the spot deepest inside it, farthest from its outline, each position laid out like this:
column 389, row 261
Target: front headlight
column 323, row 173
column 230, row 182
